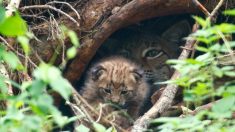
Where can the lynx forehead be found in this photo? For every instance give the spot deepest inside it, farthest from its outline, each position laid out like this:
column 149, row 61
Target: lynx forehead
column 119, row 73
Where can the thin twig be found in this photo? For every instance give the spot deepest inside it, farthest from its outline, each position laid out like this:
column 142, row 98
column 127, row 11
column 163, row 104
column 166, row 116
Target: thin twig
column 19, row 54
column 201, row 7
column 52, row 8
column 66, row 3
column 213, row 13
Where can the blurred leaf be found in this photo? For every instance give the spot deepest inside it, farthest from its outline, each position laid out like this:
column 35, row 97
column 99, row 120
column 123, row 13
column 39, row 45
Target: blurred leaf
column 98, row 127
column 203, row 49
column 82, row 128
column 230, row 74
column 224, row 105
column 3, row 85
column 73, row 37
column 204, row 57
column 189, row 95
column 2, row 14
column 32, row 122
column 11, row 59
column 217, row 71
column 53, row 77
column 58, row 118
column 62, row 86
column 24, row 42
column 230, row 12
column 13, row 26
column 71, row 52
column 226, row 28
column 201, row 21
column 37, row 87
column 201, row 89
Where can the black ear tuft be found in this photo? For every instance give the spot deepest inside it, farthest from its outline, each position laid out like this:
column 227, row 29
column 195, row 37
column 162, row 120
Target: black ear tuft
column 96, row 72
column 138, row 74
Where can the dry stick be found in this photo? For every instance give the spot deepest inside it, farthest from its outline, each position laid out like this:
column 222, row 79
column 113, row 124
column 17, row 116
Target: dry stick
column 168, row 94
column 66, row 3
column 201, row 7
column 52, row 8
column 13, row 49
column 170, row 91
column 78, row 99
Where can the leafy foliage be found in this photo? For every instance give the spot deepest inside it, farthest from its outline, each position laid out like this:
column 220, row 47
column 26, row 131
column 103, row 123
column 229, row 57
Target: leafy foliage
column 200, row 80
column 32, row 109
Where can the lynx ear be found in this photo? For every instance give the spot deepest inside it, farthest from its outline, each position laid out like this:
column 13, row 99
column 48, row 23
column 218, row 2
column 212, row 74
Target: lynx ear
column 176, row 32
column 96, row 72
column 138, row 74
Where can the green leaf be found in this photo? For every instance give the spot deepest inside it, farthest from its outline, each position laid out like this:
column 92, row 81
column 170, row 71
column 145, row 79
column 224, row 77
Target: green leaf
column 230, row 12
column 3, row 86
column 204, row 57
column 82, row 128
column 58, row 118
column 203, row 49
column 98, row 127
column 13, row 26
column 52, row 76
column 37, row 88
column 24, row 42
column 230, row 74
column 62, row 86
column 32, row 122
column 225, row 28
column 73, row 37
column 12, row 60
column 71, row 52
column 217, row 71
column 2, row 14
column 201, row 21
column 224, row 105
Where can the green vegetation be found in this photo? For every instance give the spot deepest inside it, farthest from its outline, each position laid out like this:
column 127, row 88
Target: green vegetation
column 200, row 80
column 32, row 109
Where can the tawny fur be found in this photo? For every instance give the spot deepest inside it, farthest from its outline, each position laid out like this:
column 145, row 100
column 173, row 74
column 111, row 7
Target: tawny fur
column 124, row 79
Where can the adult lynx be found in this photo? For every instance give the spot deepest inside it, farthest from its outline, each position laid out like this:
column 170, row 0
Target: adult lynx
column 151, row 51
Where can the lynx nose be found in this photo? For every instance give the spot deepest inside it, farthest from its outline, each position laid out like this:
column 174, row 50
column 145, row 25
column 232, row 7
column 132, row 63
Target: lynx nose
column 115, row 99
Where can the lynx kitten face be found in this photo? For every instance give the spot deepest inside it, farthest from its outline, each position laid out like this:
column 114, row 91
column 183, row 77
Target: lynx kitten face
column 116, row 80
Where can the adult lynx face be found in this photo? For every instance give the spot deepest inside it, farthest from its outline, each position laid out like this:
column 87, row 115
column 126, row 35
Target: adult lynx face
column 151, row 51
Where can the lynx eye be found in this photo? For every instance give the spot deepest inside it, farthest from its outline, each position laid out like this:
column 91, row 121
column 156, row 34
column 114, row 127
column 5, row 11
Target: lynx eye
column 124, row 92
column 152, row 53
column 107, row 90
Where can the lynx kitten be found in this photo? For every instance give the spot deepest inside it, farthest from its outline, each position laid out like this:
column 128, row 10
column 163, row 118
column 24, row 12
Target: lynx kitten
column 119, row 81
